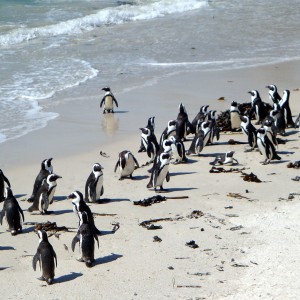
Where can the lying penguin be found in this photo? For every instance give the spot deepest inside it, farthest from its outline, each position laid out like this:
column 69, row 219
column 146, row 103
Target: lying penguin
column 127, row 163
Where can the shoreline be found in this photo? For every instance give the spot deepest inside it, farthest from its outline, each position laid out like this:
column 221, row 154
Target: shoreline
column 238, row 263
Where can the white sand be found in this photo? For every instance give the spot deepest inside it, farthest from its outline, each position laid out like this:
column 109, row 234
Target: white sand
column 129, row 265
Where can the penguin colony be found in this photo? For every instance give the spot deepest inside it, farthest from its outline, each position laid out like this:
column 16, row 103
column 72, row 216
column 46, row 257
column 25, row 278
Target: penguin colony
column 272, row 120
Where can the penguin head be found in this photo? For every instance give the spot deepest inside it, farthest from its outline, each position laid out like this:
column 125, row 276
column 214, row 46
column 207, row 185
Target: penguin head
column 167, row 144
column 204, row 109
column 52, row 178
column 204, row 125
column 146, row 131
column 165, row 157
column 272, row 87
column 151, row 122
column 42, row 235
column 261, row 130
column 268, row 122
column 212, row 114
column 46, row 165
column 254, row 93
column 106, row 89
column 97, row 167
column 245, row 119
column 229, row 154
column 172, row 123
column 234, row 104
column 76, row 198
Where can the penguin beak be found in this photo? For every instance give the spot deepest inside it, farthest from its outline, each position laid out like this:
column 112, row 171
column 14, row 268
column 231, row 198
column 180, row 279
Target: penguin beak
column 250, row 93
column 268, row 87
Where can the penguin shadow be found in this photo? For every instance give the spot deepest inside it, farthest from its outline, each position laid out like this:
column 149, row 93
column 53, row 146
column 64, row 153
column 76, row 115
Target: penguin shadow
column 228, row 143
column 170, row 190
column 68, row 277
column 212, row 154
column 61, row 212
column 285, row 152
column 121, row 111
column 19, row 195
column 108, row 200
column 291, row 132
column 181, row 173
column 139, row 177
column 279, row 162
column 59, row 198
column 107, row 259
column 6, row 248
column 28, row 229
column 4, row 268
column 107, row 232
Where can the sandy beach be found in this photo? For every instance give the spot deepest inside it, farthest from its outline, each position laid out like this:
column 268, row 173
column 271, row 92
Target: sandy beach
column 248, row 244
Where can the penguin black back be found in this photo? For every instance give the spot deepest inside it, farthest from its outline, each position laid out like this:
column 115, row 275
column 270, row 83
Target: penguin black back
column 3, row 181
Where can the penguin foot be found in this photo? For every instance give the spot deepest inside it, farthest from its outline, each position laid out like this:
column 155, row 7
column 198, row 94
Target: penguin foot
column 49, row 281
column 41, row 278
column 89, row 263
column 30, row 199
column 13, row 232
column 80, row 259
column 149, row 185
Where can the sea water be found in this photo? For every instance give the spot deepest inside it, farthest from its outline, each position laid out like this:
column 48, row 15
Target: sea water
column 50, row 46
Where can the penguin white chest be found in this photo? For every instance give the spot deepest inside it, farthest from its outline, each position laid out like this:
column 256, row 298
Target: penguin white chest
column 235, row 120
column 129, row 167
column 108, row 102
column 162, row 175
column 99, row 186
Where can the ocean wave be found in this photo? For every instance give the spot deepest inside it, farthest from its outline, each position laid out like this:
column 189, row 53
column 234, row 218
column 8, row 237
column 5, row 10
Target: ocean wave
column 107, row 16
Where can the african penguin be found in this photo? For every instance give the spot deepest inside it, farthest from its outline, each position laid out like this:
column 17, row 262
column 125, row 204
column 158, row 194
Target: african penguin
column 150, row 125
column 160, row 172
column 3, row 183
column 214, row 130
column 150, row 143
column 79, row 205
column 85, row 236
column 46, row 169
column 266, row 148
column 225, row 159
column 45, row 194
column 259, row 108
column 268, row 125
column 285, row 106
column 182, row 123
column 278, row 120
column 235, row 116
column 178, row 150
column 127, row 163
column 249, row 130
column 108, row 100
column 46, row 257
column 94, row 184
column 197, row 143
column 13, row 213
column 202, row 116
column 273, row 94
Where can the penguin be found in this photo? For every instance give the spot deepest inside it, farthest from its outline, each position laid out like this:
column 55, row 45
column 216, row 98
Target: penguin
column 150, row 143
column 108, row 100
column 182, row 123
column 268, row 125
column 85, row 236
column 259, row 108
column 94, row 184
column 197, row 143
column 249, row 130
column 214, row 130
column 178, row 150
column 273, row 94
column 266, row 148
column 278, row 120
column 45, row 194
column 46, row 257
column 202, row 116
column 150, row 125
column 160, row 172
column 46, row 169
column 79, row 205
column 206, row 128
column 225, row 159
column 235, row 116
column 13, row 212
column 127, row 163
column 285, row 106
column 3, row 183
column 170, row 130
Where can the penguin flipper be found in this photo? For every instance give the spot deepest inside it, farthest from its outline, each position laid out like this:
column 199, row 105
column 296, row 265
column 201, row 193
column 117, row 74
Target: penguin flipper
column 115, row 100
column 55, row 257
column 135, row 161
column 21, row 212
column 102, row 101
column 45, row 201
column 2, row 215
column 117, row 165
column 36, row 258
column 6, row 180
column 96, row 238
column 168, row 177
column 74, row 241
column 102, row 191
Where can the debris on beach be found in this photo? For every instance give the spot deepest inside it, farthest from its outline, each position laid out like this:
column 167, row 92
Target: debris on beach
column 250, row 177
column 297, row 178
column 157, row 239
column 149, row 223
column 236, row 195
column 48, row 226
column 192, row 244
column 155, row 199
column 295, row 165
column 195, row 214
column 223, row 170
column 103, row 154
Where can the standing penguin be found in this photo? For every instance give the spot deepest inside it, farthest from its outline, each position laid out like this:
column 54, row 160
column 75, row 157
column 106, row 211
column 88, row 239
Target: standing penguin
column 214, row 129
column 182, row 123
column 94, row 184
column 46, row 257
column 235, row 116
column 259, row 108
column 268, row 125
column 178, row 150
column 45, row 194
column 85, row 236
column 108, row 100
column 3, row 181
column 150, row 125
column 150, row 143
column 201, row 116
column 285, row 106
column 13, row 212
column 197, row 143
column 160, row 172
column 126, row 163
column 273, row 94
column 169, row 131
column 46, row 169
column 80, row 206
column 265, row 146
column 249, row 130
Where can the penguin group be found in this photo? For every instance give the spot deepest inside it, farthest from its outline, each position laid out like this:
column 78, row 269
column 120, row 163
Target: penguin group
column 171, row 147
